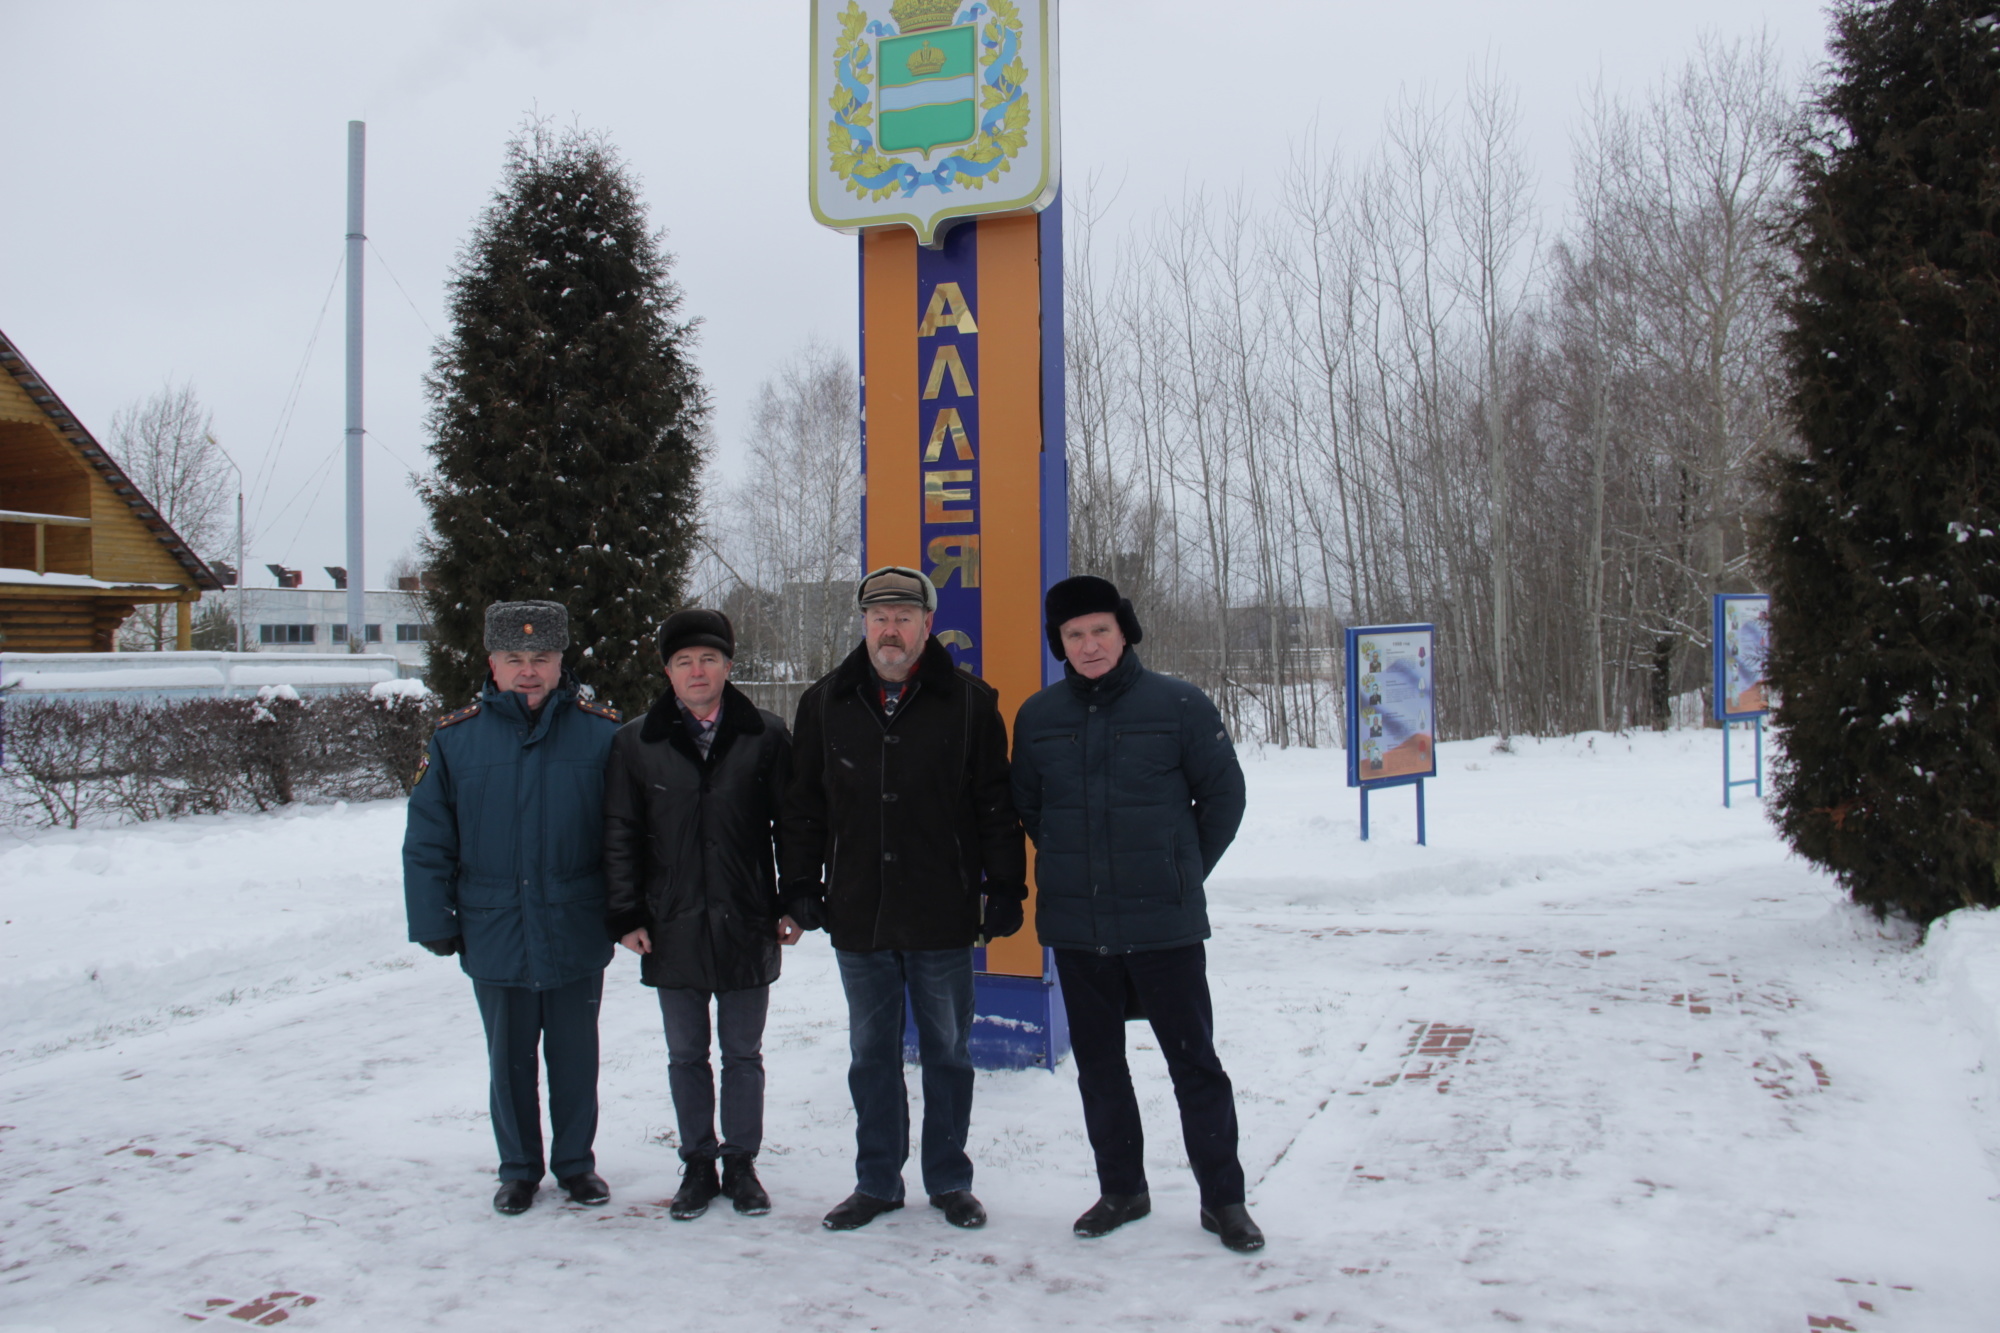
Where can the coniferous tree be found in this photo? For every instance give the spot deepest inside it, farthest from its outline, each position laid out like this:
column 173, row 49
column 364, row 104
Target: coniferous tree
column 566, row 422
column 1883, row 549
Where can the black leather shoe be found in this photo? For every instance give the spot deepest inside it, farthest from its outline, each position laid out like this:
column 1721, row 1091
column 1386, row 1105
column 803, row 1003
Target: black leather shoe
column 1110, row 1212
column 1232, row 1223
column 960, row 1208
column 858, row 1210
column 586, row 1187
column 698, row 1187
column 741, row 1186
column 514, row 1197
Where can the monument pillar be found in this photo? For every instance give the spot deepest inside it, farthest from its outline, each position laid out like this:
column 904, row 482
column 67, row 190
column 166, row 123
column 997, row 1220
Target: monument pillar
column 934, row 139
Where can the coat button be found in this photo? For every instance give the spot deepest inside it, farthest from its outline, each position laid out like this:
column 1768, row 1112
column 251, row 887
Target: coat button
column 888, row 856
column 1093, row 708
column 888, row 796
column 892, row 740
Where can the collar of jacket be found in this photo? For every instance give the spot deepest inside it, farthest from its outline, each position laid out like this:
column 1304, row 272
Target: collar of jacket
column 934, row 669
column 1109, row 685
column 664, row 721
column 511, row 706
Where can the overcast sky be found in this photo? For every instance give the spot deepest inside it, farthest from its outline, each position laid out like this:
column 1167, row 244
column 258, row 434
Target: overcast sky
column 175, row 184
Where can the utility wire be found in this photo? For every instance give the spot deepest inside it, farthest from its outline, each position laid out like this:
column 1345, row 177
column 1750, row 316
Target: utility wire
column 267, row 471
column 406, row 296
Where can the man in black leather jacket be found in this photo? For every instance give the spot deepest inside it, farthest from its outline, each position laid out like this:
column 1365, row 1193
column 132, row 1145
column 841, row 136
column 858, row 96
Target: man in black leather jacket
column 691, row 799
column 1128, row 784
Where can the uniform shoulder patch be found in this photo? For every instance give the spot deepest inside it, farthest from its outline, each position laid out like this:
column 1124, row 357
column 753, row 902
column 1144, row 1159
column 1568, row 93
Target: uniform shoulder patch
column 453, row 719
column 605, row 711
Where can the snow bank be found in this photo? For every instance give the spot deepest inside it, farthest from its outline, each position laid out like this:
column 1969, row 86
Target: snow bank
column 1963, row 950
column 406, row 688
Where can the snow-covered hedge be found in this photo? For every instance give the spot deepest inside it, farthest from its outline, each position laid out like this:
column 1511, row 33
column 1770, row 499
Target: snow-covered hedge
column 68, row 763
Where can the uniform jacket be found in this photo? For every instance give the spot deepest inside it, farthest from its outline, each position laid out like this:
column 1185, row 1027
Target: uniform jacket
column 687, row 844
column 504, row 842
column 1130, row 788
column 893, row 822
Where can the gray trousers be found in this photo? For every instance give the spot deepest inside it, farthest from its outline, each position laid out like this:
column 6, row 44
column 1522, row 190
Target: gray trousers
column 739, row 1028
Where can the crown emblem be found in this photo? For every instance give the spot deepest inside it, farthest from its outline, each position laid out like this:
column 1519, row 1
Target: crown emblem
column 922, row 15
column 925, row 61
column 527, row 629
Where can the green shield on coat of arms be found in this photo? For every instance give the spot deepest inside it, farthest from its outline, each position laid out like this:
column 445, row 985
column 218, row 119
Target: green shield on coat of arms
column 929, row 89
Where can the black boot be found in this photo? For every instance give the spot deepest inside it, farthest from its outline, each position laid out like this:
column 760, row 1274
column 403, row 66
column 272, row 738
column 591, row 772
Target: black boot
column 858, row 1210
column 1232, row 1222
column 1111, row 1212
column 514, row 1197
column 960, row 1208
column 741, row 1186
column 586, row 1187
column 698, row 1187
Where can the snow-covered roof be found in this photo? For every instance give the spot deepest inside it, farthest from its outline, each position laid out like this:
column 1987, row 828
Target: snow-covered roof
column 32, row 579
column 192, row 673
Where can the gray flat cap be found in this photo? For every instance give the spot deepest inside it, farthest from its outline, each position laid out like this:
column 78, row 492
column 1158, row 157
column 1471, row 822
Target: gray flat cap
column 526, row 627
column 893, row 584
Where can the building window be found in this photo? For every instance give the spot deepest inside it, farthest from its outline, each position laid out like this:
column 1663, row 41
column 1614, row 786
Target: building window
column 413, row 633
column 369, row 633
column 285, row 634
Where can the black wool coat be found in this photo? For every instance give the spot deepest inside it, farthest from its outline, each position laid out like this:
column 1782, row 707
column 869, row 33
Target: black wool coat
column 1130, row 788
column 688, row 844
column 893, row 823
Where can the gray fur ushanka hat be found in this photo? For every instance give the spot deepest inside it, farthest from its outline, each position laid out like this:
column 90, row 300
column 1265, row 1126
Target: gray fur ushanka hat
column 526, row 627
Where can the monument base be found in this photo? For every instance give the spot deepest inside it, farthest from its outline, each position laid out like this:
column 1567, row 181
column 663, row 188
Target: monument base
column 1017, row 1022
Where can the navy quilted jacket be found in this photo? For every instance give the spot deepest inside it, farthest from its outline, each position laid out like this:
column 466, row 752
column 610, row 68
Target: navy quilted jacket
column 1130, row 789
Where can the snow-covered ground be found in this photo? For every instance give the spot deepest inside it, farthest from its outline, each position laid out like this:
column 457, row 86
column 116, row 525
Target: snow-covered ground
column 1601, row 1057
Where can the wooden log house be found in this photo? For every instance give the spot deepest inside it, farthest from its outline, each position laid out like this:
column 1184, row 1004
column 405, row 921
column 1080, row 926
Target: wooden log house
column 80, row 547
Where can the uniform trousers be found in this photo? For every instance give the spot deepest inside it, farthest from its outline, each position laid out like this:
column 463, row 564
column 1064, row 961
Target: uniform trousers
column 1172, row 986
column 563, row 1022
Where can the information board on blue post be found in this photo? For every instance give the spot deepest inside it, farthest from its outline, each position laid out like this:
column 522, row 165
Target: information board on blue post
column 1391, row 714
column 1742, row 639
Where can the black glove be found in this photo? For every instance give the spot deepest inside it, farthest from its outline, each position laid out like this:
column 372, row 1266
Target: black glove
column 445, row 948
column 807, row 912
column 1004, row 915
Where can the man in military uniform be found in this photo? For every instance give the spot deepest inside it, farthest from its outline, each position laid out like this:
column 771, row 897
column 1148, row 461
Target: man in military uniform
column 502, row 865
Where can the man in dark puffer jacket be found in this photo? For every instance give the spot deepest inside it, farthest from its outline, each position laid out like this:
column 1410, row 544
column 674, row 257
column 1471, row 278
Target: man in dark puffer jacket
column 1127, row 784
column 691, row 799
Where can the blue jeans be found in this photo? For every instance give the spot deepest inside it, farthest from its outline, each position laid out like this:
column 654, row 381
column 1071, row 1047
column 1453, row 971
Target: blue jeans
column 938, row 983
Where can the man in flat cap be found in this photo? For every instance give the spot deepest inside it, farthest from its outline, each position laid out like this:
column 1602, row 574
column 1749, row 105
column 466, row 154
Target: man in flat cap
column 503, row 866
column 691, row 801
column 1129, row 787
column 898, row 835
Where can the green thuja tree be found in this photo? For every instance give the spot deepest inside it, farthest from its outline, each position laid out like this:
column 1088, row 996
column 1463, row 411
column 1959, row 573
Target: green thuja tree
column 1883, row 547
column 566, row 423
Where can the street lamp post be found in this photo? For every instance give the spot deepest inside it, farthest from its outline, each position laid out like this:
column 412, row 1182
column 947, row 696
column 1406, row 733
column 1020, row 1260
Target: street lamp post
column 239, row 539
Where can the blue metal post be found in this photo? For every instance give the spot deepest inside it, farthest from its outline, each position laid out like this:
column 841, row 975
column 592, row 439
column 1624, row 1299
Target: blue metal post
column 1756, row 780
column 1364, row 814
column 1420, row 813
column 1726, row 783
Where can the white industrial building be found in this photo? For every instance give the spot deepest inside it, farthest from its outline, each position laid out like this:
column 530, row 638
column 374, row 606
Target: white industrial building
column 314, row 620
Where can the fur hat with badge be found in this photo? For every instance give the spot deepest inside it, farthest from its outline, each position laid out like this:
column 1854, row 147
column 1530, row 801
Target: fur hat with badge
column 526, row 627
column 1086, row 595
column 697, row 628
